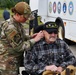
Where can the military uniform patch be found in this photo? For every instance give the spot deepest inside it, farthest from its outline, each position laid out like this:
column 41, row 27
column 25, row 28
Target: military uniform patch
column 12, row 33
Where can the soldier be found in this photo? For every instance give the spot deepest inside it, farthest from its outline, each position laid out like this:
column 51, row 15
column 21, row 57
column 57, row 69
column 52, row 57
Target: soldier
column 14, row 41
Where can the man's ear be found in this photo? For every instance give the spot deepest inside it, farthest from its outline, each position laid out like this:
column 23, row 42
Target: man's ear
column 43, row 31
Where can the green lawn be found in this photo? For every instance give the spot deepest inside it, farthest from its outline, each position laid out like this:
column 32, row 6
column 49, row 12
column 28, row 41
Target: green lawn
column 1, row 12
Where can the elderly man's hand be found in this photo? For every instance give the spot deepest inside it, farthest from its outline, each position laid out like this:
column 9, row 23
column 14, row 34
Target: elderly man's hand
column 54, row 68
column 59, row 69
column 51, row 67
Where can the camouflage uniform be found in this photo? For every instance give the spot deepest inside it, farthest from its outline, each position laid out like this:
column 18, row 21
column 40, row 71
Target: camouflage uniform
column 13, row 42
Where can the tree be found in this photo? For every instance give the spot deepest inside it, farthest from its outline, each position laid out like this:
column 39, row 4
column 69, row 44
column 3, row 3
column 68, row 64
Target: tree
column 10, row 3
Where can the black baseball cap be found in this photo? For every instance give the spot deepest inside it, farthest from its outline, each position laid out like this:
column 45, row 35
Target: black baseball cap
column 50, row 27
column 38, row 28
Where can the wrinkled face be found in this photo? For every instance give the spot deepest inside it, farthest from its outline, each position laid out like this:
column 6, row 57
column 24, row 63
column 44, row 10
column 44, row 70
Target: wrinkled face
column 50, row 37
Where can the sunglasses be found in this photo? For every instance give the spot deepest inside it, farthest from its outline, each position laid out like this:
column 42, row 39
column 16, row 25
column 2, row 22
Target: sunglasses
column 55, row 32
column 53, row 25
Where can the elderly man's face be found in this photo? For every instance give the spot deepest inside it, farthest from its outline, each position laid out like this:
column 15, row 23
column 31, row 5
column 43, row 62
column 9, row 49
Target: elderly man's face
column 50, row 37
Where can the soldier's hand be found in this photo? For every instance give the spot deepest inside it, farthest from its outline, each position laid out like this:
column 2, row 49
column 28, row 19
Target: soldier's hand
column 34, row 35
column 39, row 36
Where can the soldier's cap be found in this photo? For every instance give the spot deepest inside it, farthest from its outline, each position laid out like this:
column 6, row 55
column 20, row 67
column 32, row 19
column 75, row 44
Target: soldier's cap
column 50, row 27
column 24, row 9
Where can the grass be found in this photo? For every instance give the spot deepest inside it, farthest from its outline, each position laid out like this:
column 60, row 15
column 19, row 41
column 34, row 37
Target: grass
column 1, row 13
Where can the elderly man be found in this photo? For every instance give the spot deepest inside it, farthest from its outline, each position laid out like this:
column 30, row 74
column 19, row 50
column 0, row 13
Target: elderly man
column 50, row 53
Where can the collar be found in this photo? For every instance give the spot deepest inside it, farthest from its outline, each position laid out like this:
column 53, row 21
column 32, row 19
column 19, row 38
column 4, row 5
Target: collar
column 44, row 42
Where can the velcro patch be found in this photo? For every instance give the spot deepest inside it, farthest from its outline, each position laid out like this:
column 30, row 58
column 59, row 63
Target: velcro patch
column 12, row 34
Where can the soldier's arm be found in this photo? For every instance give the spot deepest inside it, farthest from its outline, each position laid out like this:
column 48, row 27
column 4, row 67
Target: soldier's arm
column 29, row 43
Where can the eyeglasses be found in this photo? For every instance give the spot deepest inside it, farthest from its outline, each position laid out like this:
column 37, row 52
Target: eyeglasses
column 55, row 32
